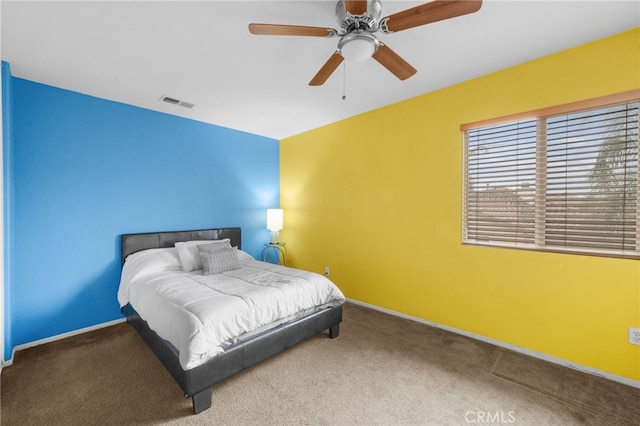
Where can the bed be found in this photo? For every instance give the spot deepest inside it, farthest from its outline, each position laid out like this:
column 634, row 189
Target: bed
column 144, row 286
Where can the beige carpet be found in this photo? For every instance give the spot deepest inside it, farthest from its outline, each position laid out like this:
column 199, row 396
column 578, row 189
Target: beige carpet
column 382, row 370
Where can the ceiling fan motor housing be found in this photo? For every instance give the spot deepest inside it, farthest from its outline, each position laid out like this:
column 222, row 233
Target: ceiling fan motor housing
column 366, row 22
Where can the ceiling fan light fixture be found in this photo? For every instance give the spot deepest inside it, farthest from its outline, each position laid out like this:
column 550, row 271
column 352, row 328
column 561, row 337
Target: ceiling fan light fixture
column 359, row 21
column 357, row 46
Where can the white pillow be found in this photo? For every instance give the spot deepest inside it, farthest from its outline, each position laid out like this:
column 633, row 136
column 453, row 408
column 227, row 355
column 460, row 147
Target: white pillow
column 189, row 255
column 243, row 255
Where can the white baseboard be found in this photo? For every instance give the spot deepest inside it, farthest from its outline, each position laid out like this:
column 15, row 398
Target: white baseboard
column 525, row 351
column 59, row 337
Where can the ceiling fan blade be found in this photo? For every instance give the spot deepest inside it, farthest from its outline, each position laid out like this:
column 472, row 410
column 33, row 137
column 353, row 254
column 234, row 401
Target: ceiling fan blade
column 393, row 62
column 327, row 69
column 290, row 30
column 434, row 11
column 356, row 7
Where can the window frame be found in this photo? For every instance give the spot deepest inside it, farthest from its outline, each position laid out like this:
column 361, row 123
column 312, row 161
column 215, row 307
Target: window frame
column 540, row 115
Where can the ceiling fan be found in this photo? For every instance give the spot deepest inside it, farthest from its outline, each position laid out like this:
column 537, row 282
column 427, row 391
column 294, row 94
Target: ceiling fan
column 359, row 21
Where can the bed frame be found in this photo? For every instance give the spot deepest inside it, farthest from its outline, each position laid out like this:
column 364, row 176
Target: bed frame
column 198, row 382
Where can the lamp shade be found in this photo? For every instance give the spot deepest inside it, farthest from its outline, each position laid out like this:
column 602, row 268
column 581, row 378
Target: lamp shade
column 275, row 219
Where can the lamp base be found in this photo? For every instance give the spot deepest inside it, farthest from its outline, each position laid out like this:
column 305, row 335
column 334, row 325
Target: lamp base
column 275, row 236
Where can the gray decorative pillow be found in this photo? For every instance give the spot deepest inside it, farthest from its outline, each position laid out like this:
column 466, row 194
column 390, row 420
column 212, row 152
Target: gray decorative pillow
column 219, row 259
column 189, row 253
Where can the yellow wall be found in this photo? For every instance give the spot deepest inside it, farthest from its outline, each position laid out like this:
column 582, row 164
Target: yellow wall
column 377, row 198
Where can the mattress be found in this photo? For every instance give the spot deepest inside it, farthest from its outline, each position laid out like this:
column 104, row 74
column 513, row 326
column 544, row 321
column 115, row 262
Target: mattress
column 201, row 315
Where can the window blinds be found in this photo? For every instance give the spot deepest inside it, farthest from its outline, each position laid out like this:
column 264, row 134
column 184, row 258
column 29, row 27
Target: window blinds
column 592, row 179
column 567, row 182
column 500, row 182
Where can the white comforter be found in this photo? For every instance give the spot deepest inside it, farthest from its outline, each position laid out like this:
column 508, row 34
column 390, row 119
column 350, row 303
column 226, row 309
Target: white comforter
column 200, row 315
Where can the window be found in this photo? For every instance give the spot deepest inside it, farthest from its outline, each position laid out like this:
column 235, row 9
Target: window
column 561, row 181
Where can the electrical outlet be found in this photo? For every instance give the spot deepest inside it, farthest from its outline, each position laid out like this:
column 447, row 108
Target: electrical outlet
column 326, row 271
column 634, row 336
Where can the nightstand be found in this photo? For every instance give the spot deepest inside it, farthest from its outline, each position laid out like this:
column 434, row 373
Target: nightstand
column 279, row 249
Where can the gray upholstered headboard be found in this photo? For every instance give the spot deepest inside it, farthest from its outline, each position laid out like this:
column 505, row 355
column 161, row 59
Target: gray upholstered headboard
column 132, row 243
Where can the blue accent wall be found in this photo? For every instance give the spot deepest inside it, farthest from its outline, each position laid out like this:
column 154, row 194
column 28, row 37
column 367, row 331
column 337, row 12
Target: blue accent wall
column 83, row 170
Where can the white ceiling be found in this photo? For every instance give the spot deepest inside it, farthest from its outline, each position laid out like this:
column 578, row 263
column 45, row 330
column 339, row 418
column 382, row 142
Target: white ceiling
column 201, row 52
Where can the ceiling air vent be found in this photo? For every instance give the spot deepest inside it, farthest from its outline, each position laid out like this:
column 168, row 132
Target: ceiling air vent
column 174, row 101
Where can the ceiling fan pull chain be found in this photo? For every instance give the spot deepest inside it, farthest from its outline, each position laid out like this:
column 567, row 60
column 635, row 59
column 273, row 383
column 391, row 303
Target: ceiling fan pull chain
column 344, row 80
